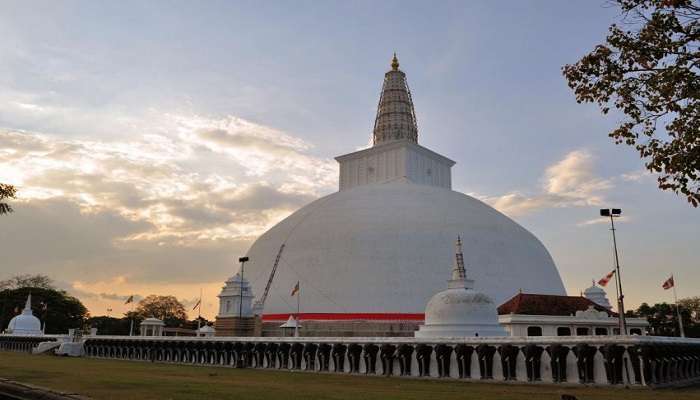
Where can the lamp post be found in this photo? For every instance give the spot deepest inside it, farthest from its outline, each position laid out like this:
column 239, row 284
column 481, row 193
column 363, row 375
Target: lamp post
column 614, row 213
column 241, row 260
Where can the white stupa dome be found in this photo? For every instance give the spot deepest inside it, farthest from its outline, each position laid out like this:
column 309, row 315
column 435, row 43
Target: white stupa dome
column 379, row 244
column 381, row 249
column 460, row 311
column 461, row 307
column 25, row 323
column 597, row 295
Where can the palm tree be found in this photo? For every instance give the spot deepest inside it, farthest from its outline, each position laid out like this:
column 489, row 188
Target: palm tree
column 6, row 192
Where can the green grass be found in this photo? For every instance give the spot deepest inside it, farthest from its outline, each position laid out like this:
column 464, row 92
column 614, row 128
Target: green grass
column 114, row 379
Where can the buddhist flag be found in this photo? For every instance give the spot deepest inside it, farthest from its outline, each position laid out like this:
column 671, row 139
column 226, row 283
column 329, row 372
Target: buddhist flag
column 296, row 289
column 199, row 302
column 668, row 284
column 604, row 280
column 130, row 299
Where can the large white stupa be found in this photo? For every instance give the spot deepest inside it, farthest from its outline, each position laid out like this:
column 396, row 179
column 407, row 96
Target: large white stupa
column 377, row 248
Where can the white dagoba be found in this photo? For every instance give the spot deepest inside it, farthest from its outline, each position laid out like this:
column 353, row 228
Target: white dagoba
column 597, row 295
column 25, row 323
column 291, row 327
column 230, row 298
column 376, row 246
column 460, row 311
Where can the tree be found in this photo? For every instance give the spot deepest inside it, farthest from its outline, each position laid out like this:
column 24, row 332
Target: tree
column 27, row 280
column 167, row 308
column 55, row 308
column 692, row 304
column 650, row 72
column 663, row 319
column 6, row 192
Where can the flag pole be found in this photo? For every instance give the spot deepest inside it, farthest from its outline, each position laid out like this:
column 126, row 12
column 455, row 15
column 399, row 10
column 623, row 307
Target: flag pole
column 617, row 295
column 618, row 280
column 199, row 313
column 131, row 327
column 130, row 299
column 296, row 326
column 678, row 311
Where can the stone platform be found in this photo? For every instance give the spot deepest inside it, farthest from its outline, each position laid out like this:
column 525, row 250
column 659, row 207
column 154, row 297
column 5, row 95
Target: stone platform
column 634, row 361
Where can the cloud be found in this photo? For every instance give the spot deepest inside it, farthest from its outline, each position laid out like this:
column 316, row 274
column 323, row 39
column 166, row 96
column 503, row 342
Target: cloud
column 569, row 182
column 598, row 221
column 573, row 178
column 637, row 176
column 174, row 204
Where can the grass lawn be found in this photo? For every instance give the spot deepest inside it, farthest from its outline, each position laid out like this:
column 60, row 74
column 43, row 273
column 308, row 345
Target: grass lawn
column 114, row 379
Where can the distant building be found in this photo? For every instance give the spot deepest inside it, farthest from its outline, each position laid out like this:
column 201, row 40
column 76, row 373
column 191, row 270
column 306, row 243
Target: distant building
column 206, row 331
column 235, row 317
column 597, row 295
column 152, row 327
column 547, row 315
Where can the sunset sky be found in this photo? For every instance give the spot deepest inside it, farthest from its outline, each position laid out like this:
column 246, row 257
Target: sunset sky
column 152, row 142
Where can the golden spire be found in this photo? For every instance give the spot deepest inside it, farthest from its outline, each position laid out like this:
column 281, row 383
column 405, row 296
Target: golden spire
column 395, row 63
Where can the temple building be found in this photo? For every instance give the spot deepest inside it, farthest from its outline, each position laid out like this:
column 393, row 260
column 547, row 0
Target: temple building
column 546, row 315
column 235, row 316
column 151, row 327
column 370, row 256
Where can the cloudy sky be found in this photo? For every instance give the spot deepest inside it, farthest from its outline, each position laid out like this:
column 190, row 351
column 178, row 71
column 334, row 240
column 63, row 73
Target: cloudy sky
column 151, row 142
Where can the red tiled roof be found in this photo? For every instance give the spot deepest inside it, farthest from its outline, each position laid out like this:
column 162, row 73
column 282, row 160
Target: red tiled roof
column 546, row 304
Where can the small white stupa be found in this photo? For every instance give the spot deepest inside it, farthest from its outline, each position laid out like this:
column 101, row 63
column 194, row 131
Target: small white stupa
column 460, row 311
column 291, row 327
column 597, row 295
column 25, row 323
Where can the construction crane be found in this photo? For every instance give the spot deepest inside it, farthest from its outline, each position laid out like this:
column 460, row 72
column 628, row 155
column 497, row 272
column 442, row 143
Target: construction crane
column 260, row 304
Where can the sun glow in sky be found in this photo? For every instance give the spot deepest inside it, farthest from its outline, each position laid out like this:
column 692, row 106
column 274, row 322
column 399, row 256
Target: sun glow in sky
column 151, row 143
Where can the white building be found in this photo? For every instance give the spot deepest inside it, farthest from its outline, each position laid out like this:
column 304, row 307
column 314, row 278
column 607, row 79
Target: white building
column 236, row 314
column 231, row 295
column 152, row 327
column 375, row 250
column 206, row 331
column 545, row 315
column 25, row 323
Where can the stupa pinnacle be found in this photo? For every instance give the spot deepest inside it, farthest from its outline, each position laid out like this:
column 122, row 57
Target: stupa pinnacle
column 396, row 117
column 459, row 272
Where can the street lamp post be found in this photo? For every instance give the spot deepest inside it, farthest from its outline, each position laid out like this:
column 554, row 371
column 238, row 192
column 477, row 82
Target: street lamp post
column 241, row 260
column 614, row 213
